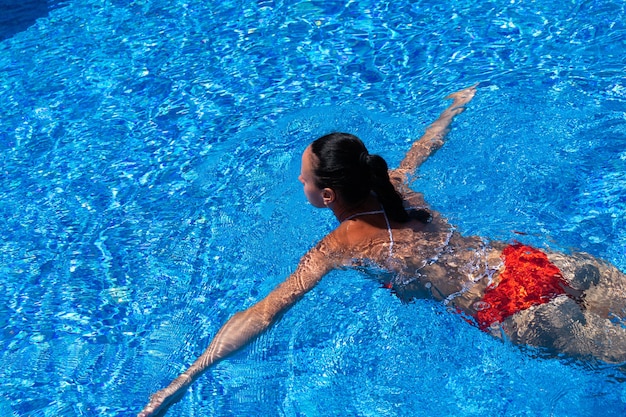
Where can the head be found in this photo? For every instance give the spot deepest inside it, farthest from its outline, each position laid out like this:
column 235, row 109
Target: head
column 339, row 167
column 339, row 163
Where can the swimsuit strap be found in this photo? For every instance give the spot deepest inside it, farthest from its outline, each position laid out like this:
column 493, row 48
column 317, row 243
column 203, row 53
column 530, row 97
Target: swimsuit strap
column 382, row 211
column 365, row 213
column 390, row 234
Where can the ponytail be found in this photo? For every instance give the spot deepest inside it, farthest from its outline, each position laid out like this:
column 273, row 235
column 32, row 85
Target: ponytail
column 385, row 191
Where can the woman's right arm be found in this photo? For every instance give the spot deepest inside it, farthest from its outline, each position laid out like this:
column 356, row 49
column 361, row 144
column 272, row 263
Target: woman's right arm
column 433, row 138
column 246, row 325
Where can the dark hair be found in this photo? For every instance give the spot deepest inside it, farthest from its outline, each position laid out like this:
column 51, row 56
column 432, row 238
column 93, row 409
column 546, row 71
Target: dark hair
column 345, row 165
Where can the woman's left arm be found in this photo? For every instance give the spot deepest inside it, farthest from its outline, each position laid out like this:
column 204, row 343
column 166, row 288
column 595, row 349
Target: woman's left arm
column 433, row 138
column 246, row 325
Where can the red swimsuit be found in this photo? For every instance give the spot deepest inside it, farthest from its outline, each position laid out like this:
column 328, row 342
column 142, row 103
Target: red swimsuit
column 529, row 279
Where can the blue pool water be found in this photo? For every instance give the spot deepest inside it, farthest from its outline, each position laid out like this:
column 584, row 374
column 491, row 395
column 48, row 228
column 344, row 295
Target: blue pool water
column 149, row 151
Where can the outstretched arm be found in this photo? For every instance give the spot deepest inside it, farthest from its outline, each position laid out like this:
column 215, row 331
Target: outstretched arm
column 246, row 325
column 433, row 138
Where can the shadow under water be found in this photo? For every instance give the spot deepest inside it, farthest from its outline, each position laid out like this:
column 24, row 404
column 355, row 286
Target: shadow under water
column 18, row 15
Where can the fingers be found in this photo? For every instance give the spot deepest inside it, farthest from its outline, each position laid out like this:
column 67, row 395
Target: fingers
column 463, row 96
column 153, row 406
column 146, row 412
column 161, row 401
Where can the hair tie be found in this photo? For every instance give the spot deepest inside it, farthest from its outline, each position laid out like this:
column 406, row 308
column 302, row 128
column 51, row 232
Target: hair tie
column 363, row 158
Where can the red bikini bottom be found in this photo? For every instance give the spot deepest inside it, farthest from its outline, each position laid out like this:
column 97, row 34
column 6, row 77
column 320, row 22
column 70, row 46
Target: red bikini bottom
column 529, row 279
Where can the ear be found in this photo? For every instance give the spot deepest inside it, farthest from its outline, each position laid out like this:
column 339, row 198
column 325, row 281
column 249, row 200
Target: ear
column 328, row 196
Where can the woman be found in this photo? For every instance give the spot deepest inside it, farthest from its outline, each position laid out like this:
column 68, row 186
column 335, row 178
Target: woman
column 508, row 290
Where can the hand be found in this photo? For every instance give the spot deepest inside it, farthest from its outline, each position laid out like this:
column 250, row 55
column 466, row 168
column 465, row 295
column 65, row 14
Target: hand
column 160, row 402
column 154, row 406
column 460, row 99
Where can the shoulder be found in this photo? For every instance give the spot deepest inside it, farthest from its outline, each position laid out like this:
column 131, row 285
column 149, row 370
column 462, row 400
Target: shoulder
column 329, row 253
column 399, row 179
column 337, row 244
column 326, row 255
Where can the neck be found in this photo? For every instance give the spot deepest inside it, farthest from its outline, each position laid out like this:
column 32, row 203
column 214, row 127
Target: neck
column 343, row 211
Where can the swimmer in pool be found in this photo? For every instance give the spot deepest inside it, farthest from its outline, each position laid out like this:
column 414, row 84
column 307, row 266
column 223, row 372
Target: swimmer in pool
column 568, row 304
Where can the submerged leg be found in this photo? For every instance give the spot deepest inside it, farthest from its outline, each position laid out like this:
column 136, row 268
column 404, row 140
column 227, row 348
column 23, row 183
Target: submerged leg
column 561, row 327
column 587, row 327
column 603, row 285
